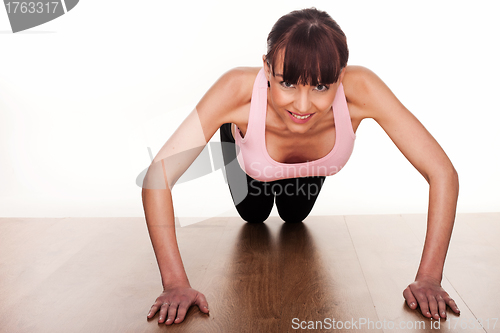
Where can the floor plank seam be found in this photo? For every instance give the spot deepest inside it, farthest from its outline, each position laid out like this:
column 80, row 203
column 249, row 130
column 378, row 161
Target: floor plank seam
column 463, row 300
column 213, row 254
column 361, row 267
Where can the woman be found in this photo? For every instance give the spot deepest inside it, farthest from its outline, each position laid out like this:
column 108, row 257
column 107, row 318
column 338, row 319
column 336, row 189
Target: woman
column 293, row 122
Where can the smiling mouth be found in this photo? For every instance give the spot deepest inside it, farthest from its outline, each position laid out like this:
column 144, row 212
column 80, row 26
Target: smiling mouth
column 300, row 117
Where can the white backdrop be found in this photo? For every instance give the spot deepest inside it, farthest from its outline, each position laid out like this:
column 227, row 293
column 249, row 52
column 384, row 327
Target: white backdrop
column 83, row 96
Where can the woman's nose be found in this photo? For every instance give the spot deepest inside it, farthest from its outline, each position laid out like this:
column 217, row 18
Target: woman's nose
column 302, row 101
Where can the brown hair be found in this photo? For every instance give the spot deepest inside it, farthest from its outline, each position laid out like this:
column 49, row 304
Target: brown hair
column 315, row 47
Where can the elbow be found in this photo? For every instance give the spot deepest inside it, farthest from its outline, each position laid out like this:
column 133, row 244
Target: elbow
column 452, row 180
column 447, row 175
column 154, row 178
column 451, row 174
column 455, row 178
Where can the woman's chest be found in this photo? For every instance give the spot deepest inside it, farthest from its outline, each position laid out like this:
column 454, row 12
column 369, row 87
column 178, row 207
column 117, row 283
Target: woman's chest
column 290, row 148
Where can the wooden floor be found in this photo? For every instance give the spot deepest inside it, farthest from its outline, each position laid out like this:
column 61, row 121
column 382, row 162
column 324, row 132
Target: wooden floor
column 100, row 274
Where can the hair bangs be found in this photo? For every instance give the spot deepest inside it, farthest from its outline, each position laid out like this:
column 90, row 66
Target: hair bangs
column 309, row 57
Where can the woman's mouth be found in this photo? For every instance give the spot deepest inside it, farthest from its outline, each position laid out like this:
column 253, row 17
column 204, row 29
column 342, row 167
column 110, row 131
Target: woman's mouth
column 300, row 118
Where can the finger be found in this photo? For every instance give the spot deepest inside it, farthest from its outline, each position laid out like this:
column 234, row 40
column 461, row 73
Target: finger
column 433, row 306
column 181, row 312
column 441, row 306
column 410, row 299
column 202, row 303
column 424, row 305
column 172, row 311
column 451, row 303
column 163, row 313
column 153, row 310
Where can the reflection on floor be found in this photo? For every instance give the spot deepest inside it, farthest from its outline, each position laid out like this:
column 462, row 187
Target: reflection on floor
column 100, row 274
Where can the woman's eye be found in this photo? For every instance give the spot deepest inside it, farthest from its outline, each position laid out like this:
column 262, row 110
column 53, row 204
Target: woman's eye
column 321, row 87
column 286, row 84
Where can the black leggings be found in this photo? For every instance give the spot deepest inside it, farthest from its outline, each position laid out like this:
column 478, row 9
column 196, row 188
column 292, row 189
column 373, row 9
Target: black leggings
column 295, row 197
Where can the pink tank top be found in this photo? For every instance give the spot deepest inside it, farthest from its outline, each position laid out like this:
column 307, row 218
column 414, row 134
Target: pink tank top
column 252, row 153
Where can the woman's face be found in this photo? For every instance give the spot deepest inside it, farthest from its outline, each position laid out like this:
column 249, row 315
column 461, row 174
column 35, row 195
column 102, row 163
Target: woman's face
column 300, row 107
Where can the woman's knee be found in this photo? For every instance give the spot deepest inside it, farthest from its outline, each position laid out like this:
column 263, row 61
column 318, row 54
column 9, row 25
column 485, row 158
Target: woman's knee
column 295, row 207
column 257, row 204
column 255, row 216
column 291, row 216
column 254, row 221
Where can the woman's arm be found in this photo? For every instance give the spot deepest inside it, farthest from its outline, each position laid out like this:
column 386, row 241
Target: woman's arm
column 170, row 163
column 376, row 101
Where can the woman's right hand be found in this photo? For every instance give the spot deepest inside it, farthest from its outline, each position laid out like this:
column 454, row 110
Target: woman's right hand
column 174, row 302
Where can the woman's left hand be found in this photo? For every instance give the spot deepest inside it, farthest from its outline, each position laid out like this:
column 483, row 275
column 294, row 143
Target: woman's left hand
column 430, row 296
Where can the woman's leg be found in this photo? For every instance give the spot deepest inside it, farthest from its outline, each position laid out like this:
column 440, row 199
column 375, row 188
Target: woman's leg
column 295, row 197
column 253, row 199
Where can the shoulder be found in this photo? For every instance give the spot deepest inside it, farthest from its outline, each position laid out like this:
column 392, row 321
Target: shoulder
column 237, row 83
column 357, row 78
column 232, row 90
column 365, row 90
